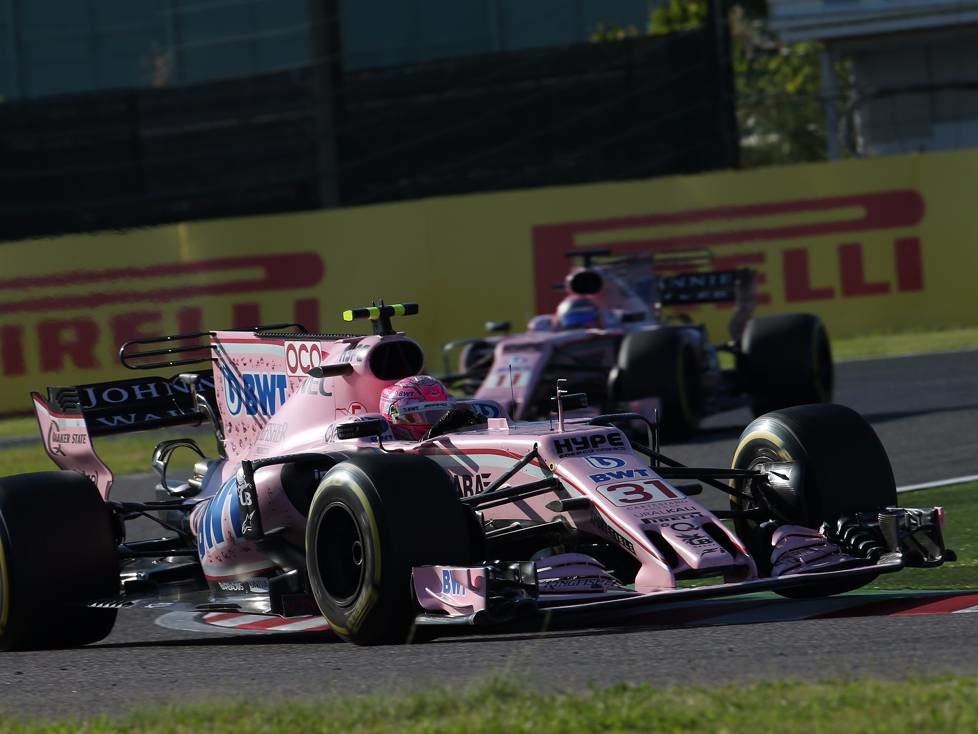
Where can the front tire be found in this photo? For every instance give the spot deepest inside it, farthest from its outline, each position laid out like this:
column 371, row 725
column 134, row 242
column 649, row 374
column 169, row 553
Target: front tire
column 57, row 553
column 373, row 518
column 845, row 466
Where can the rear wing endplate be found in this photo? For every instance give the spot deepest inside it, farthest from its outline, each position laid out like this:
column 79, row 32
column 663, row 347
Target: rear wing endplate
column 72, row 417
column 68, row 442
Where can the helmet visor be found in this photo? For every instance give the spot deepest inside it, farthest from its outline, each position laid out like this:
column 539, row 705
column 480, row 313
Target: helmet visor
column 422, row 414
column 581, row 317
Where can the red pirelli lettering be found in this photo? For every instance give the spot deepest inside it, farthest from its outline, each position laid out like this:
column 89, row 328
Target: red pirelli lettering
column 882, row 210
column 909, row 263
column 12, row 350
column 62, row 340
column 284, row 271
column 853, row 273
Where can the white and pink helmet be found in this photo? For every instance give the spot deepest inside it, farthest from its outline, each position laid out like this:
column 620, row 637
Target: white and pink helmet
column 413, row 404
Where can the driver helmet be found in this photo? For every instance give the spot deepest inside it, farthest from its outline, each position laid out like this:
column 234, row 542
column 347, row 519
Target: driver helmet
column 578, row 313
column 413, row 404
column 544, row 322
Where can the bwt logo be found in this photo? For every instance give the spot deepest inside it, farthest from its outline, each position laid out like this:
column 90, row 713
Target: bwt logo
column 604, row 462
column 258, row 393
column 610, row 476
column 449, row 585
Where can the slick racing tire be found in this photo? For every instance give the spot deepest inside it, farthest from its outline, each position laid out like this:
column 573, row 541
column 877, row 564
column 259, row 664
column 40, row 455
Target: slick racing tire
column 475, row 359
column 786, row 360
column 373, row 518
column 661, row 363
column 57, row 553
column 845, row 469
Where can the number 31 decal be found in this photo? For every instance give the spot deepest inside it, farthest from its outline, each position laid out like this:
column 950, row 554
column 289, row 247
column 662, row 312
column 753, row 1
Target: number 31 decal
column 624, row 494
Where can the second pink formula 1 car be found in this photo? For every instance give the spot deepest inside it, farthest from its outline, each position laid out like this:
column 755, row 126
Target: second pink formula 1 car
column 610, row 337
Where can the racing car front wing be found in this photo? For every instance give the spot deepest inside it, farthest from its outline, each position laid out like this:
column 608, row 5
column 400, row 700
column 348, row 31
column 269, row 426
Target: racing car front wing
column 489, row 595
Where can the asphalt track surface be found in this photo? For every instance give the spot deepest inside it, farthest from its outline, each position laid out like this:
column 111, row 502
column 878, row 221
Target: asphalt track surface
column 925, row 410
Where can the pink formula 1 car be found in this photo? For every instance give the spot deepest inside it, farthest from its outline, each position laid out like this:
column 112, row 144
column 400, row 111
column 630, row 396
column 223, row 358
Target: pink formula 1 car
column 312, row 505
column 610, row 337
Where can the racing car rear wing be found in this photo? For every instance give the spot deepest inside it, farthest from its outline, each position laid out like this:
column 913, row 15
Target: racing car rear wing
column 716, row 286
column 141, row 403
column 68, row 443
column 691, row 280
column 123, row 406
column 72, row 416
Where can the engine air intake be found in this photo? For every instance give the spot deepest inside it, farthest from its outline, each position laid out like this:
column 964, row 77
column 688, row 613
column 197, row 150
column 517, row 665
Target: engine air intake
column 395, row 359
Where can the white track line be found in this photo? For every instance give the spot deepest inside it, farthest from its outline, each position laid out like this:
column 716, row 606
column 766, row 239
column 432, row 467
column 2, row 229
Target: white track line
column 938, row 483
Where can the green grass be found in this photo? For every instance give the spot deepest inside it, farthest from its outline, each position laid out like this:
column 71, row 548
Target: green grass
column 936, row 704
column 911, row 342
column 125, row 454
column 17, row 427
column 960, row 502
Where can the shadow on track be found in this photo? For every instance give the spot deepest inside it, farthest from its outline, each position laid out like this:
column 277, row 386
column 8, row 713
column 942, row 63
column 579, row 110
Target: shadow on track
column 226, row 640
column 893, row 415
column 759, row 610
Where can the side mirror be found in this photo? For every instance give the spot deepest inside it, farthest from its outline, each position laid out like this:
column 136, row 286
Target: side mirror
column 634, row 317
column 361, row 429
column 574, row 400
column 330, row 370
column 498, row 327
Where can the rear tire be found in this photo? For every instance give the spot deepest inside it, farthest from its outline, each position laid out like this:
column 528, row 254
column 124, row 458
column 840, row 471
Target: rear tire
column 661, row 363
column 57, row 553
column 845, row 466
column 476, row 357
column 786, row 360
column 373, row 518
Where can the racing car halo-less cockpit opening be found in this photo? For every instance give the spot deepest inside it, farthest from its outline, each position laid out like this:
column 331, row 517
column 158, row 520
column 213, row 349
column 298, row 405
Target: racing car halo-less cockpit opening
column 413, row 405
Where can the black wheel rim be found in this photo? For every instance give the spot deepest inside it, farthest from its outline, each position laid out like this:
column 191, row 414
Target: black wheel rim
column 340, row 554
column 762, row 456
column 750, row 530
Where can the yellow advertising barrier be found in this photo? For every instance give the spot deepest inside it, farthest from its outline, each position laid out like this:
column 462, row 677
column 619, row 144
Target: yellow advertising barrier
column 881, row 244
